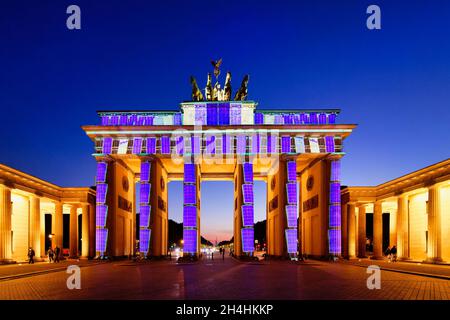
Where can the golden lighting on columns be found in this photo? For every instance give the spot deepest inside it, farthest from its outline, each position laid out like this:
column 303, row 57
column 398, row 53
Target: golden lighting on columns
column 85, row 230
column 377, row 230
column 73, row 232
column 5, row 224
column 35, row 224
column 402, row 227
column 434, row 224
column 58, row 226
column 362, row 231
column 351, row 229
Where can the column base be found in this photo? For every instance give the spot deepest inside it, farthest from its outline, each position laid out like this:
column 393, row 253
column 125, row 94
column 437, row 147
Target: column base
column 376, row 258
column 434, row 260
column 7, row 261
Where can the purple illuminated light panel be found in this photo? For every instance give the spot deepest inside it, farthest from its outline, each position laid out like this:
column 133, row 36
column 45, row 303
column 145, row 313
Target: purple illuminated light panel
column 144, row 193
column 226, row 144
column 189, row 173
column 190, row 241
column 334, row 231
column 190, row 216
column 144, row 216
column 165, row 144
column 256, row 143
column 248, row 239
column 151, row 145
column 329, row 144
column 102, row 188
column 247, row 215
column 144, row 240
column 145, row 171
column 137, row 145
column 334, row 240
column 210, row 144
column 285, row 144
column 195, row 144
column 180, row 145
column 189, row 192
column 241, row 144
column 101, row 213
column 291, row 214
column 248, row 172
column 107, row 145
column 101, row 172
column 101, row 239
column 292, row 171
column 291, row 240
column 291, row 189
column 247, row 190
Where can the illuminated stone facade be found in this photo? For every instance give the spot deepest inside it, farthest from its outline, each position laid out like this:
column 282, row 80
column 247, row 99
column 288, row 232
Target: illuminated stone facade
column 219, row 140
column 25, row 204
column 411, row 212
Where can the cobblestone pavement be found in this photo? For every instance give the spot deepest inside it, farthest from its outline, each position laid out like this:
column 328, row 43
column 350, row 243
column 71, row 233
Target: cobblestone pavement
column 228, row 279
column 413, row 267
column 21, row 269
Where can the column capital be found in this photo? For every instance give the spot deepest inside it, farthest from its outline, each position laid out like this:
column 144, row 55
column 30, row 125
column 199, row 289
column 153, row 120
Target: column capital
column 4, row 184
column 104, row 158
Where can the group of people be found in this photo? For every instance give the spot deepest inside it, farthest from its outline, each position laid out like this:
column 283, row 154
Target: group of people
column 391, row 253
column 53, row 255
column 222, row 253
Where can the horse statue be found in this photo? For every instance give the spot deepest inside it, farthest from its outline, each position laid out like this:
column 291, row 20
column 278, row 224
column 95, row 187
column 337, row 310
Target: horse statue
column 196, row 93
column 242, row 93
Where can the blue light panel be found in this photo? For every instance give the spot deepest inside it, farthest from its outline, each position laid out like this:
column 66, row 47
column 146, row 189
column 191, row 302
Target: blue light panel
column 248, row 239
column 102, row 189
column 247, row 215
column 292, row 171
column 189, row 173
column 101, row 239
column 144, row 193
column 189, row 216
column 137, row 145
column 291, row 215
column 248, row 172
column 144, row 240
column 291, row 240
column 189, row 192
column 145, row 171
column 101, row 213
column 107, row 145
column 190, row 240
column 165, row 145
column 291, row 189
column 151, row 145
column 144, row 216
column 247, row 190
column 101, row 172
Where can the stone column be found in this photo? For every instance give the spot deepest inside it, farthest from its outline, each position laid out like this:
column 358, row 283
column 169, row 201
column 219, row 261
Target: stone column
column 92, row 227
column 362, row 231
column 402, row 227
column 434, row 252
column 345, row 230
column 73, row 232
column 393, row 228
column 5, row 224
column 85, row 230
column 351, row 230
column 377, row 230
column 57, row 228
column 35, row 224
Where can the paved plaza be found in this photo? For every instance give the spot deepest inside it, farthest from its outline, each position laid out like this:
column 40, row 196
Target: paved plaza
column 217, row 279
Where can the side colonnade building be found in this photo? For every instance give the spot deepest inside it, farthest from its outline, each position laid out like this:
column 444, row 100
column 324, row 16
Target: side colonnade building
column 411, row 212
column 32, row 215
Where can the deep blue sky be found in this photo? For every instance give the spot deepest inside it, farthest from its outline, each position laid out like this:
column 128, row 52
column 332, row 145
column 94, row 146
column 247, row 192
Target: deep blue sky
column 394, row 83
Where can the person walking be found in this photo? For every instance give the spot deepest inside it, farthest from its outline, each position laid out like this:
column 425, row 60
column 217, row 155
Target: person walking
column 57, row 253
column 223, row 253
column 50, row 254
column 394, row 253
column 388, row 253
column 31, row 256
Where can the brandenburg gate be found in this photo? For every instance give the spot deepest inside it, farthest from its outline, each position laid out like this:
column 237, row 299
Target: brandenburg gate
column 296, row 152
